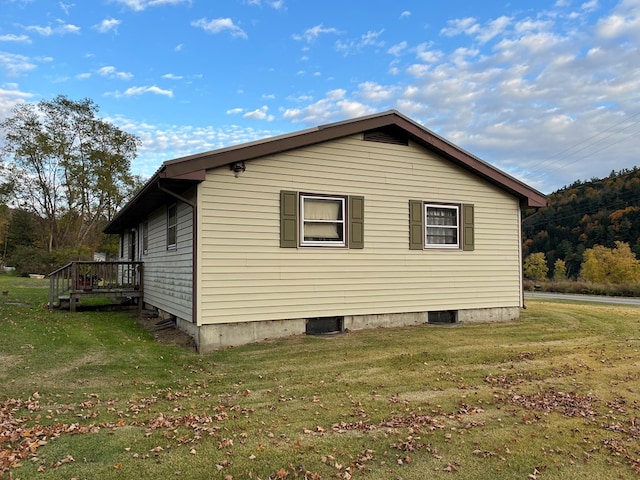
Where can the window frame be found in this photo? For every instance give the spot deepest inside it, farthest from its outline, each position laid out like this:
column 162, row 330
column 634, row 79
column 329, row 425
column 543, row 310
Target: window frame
column 446, row 246
column 145, row 236
column 172, row 228
column 343, row 243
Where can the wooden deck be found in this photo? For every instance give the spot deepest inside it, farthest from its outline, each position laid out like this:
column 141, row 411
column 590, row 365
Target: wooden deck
column 78, row 280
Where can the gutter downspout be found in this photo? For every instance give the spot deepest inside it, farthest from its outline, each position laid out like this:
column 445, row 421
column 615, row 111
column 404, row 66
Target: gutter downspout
column 194, row 245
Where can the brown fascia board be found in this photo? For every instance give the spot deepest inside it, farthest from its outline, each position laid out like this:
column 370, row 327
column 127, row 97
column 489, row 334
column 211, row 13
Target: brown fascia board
column 181, row 167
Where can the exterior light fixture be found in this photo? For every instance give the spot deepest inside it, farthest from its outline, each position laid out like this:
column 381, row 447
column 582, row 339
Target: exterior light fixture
column 237, row 168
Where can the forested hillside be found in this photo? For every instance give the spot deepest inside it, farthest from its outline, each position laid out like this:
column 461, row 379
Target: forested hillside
column 584, row 214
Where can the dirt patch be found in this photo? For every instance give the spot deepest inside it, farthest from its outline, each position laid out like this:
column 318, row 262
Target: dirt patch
column 167, row 335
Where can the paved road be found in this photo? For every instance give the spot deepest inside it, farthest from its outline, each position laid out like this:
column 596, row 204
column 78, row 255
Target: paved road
column 584, row 298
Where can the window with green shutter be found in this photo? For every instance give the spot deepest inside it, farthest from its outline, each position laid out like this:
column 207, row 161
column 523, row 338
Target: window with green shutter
column 439, row 225
column 317, row 220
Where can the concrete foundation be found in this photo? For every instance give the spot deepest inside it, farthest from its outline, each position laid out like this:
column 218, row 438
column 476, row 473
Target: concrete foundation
column 500, row 314
column 209, row 338
column 213, row 337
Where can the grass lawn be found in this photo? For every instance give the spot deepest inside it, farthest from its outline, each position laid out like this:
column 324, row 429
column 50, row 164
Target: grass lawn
column 91, row 395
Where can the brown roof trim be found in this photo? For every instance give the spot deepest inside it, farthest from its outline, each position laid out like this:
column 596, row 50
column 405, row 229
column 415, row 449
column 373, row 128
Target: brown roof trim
column 204, row 161
column 192, row 168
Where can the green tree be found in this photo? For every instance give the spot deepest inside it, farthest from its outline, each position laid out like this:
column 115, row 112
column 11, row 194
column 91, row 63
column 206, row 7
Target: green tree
column 559, row 269
column 69, row 167
column 21, row 230
column 535, row 266
column 617, row 265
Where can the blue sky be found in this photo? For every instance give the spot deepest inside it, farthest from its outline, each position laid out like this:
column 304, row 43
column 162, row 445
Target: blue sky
column 547, row 90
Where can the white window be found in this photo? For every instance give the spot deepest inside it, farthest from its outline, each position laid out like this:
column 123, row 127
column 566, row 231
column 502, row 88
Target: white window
column 172, row 226
column 322, row 221
column 145, row 236
column 441, row 226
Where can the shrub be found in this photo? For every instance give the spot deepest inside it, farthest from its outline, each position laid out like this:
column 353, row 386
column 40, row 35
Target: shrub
column 28, row 260
column 584, row 288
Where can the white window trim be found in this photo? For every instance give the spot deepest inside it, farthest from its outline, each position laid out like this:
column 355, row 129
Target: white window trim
column 326, row 243
column 144, row 244
column 172, row 246
column 455, row 207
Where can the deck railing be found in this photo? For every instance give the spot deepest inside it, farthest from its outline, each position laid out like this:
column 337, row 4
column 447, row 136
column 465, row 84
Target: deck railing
column 78, row 279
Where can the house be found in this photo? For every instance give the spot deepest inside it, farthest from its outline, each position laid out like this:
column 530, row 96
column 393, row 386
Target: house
column 369, row 222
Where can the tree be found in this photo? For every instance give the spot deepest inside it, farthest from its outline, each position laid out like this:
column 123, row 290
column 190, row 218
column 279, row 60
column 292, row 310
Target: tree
column 69, row 167
column 559, row 270
column 21, row 230
column 610, row 265
column 535, row 266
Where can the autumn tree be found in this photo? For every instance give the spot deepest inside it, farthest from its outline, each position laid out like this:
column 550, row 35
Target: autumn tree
column 68, row 166
column 617, row 265
column 535, row 266
column 559, row 270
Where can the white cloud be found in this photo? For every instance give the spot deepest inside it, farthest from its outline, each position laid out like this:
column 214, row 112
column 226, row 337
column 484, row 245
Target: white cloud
column 376, row 93
column 218, row 25
column 135, row 91
column 353, row 46
column 493, row 29
column 107, row 25
column 333, row 107
column 139, row 5
column 457, row 26
column 276, row 4
column 10, row 96
column 311, row 34
column 10, row 37
column 163, row 142
column 111, row 72
column 426, row 54
column 397, row 49
column 260, row 114
column 60, row 29
column 171, row 76
column 300, row 98
column 624, row 21
column 405, row 14
column 234, row 111
column 469, row 26
column 14, row 64
column 66, row 7
column 589, row 6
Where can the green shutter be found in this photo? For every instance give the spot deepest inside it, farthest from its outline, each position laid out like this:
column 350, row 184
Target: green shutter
column 288, row 219
column 356, row 222
column 468, row 230
column 416, row 225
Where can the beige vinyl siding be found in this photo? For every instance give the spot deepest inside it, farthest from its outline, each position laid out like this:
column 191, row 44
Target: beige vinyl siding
column 168, row 273
column 246, row 276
